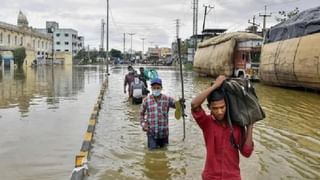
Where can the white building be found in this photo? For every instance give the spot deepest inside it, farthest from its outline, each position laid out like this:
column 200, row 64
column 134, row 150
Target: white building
column 64, row 39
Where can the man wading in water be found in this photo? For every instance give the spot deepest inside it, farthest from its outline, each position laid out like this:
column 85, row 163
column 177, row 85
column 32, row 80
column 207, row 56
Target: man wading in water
column 222, row 161
column 128, row 79
column 154, row 115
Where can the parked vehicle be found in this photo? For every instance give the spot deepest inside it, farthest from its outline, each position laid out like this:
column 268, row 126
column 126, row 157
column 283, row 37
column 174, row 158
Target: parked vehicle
column 232, row 54
column 290, row 55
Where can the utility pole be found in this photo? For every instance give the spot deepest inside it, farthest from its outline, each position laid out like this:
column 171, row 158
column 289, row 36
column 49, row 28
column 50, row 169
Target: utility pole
column 107, row 31
column 102, row 35
column 89, row 54
column 205, row 14
column 131, row 34
column 195, row 22
column 143, row 47
column 124, row 46
column 265, row 15
column 255, row 26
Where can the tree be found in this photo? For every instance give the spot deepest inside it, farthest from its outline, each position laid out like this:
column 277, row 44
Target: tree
column 19, row 55
column 286, row 15
column 115, row 53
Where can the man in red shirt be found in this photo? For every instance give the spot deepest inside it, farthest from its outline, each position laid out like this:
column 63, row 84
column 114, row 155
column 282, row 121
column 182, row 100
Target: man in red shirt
column 222, row 161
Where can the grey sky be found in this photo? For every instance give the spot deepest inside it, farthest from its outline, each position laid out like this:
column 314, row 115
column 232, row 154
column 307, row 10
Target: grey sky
column 150, row 19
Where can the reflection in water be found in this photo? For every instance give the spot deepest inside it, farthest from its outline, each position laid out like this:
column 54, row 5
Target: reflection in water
column 287, row 142
column 156, row 165
column 43, row 114
column 22, row 87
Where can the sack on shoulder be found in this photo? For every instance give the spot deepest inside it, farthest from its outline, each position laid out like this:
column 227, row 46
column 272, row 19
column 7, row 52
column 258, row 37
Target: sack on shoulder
column 242, row 102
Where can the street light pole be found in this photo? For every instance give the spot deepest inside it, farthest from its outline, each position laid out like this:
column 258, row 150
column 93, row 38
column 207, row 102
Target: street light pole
column 143, row 47
column 131, row 34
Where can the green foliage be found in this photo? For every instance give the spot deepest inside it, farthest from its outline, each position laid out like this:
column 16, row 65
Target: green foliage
column 286, row 15
column 19, row 55
column 115, row 53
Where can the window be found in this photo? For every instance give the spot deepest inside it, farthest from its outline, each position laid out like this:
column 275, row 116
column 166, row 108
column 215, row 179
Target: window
column 1, row 38
column 66, row 50
column 58, row 50
column 15, row 40
column 58, row 42
column 66, row 43
column 58, row 34
column 46, row 45
column 9, row 38
column 38, row 43
column 34, row 44
column 66, row 35
column 21, row 41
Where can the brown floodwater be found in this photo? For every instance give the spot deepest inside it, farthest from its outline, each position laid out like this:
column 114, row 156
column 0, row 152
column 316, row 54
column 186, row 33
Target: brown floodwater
column 44, row 113
column 287, row 142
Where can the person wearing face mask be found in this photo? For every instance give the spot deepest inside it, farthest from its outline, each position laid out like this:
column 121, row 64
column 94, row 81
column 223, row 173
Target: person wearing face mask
column 154, row 115
column 128, row 80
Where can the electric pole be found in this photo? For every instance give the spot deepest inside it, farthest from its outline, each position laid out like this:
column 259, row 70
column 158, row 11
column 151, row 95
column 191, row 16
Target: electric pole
column 195, row 22
column 124, row 46
column 102, row 35
column 205, row 14
column 265, row 15
column 143, row 47
column 107, row 47
column 131, row 34
column 255, row 26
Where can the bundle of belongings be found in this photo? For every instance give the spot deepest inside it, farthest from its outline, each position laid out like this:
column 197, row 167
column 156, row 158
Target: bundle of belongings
column 242, row 105
column 242, row 102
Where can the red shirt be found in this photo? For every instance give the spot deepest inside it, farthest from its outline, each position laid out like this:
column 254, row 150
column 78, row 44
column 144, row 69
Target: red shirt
column 222, row 161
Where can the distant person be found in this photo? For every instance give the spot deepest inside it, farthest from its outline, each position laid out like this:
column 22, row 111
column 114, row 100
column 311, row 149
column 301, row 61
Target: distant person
column 143, row 78
column 154, row 116
column 128, row 79
column 222, row 161
column 137, row 88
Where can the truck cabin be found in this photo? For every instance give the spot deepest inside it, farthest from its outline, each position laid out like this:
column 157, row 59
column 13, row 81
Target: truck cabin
column 247, row 58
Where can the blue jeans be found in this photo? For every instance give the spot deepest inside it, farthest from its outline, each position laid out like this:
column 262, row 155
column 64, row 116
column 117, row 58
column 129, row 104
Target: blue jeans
column 157, row 143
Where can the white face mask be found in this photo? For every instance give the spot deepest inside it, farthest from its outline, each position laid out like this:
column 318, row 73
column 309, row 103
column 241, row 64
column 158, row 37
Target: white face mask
column 156, row 92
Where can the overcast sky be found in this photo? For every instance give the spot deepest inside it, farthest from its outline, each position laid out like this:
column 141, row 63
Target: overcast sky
column 150, row 19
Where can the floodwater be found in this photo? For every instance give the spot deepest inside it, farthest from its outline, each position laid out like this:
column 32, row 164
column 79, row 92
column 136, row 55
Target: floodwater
column 44, row 113
column 287, row 142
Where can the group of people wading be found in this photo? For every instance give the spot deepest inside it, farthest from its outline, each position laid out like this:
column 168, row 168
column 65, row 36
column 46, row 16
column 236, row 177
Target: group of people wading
column 222, row 157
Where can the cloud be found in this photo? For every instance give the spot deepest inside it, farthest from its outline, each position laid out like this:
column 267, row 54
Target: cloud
column 153, row 20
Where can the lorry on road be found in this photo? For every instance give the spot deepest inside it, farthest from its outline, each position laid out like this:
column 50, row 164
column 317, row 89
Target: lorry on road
column 234, row 54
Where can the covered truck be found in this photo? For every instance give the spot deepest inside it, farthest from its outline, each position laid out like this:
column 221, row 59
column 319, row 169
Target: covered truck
column 290, row 56
column 234, row 54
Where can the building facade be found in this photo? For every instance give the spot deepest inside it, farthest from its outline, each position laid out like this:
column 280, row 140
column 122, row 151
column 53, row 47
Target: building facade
column 38, row 45
column 64, row 39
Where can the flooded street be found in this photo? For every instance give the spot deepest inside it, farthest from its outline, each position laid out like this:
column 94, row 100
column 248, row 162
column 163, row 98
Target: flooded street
column 44, row 113
column 287, row 142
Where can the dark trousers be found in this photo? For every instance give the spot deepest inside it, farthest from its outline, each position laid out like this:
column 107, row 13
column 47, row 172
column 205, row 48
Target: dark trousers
column 157, row 143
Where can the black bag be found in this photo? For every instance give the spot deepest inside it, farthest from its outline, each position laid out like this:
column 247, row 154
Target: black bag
column 242, row 103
